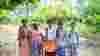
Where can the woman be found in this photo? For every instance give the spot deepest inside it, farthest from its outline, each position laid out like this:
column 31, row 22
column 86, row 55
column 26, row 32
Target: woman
column 36, row 39
column 24, row 39
column 50, row 43
column 72, row 43
column 60, row 41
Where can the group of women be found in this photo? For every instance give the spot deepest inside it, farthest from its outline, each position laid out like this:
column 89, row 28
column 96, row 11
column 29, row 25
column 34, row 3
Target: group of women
column 49, row 41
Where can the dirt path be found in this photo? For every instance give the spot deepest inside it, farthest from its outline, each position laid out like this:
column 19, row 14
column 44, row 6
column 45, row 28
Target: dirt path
column 8, row 44
column 8, row 28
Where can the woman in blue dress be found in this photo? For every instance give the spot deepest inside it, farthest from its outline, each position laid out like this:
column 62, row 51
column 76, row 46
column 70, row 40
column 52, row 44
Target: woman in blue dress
column 71, row 40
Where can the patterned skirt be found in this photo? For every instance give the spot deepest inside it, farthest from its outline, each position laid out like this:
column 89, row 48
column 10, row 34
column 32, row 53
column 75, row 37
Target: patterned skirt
column 24, row 50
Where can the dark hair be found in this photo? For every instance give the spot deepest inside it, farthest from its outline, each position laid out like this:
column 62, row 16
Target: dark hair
column 46, row 29
column 23, row 21
column 51, row 20
column 35, row 26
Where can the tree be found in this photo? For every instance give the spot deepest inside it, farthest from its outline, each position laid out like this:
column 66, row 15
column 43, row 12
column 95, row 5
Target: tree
column 10, row 4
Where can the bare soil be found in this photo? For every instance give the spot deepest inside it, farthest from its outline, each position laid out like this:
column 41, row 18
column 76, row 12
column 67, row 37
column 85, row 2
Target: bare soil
column 7, row 28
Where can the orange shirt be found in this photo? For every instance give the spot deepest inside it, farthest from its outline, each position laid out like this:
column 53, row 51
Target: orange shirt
column 49, row 44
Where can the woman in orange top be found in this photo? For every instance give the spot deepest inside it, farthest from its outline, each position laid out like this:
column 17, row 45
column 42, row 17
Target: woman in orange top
column 49, row 44
column 49, row 47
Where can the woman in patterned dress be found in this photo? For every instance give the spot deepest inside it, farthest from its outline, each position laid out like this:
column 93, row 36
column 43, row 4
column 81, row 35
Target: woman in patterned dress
column 24, row 39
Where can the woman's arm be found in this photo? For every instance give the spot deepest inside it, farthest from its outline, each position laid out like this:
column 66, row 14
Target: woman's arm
column 19, row 36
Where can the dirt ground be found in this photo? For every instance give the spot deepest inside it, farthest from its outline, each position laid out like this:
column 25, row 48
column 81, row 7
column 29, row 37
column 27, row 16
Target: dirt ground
column 7, row 52
column 7, row 28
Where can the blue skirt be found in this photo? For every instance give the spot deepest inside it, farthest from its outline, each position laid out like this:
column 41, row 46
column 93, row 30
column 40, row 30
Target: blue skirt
column 60, row 51
column 35, row 44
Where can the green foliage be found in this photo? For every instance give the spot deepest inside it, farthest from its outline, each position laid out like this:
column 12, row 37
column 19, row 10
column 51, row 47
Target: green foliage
column 42, row 13
column 11, row 4
column 33, row 1
column 81, row 24
column 4, row 20
column 95, row 5
column 90, row 7
column 97, row 23
column 3, row 12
